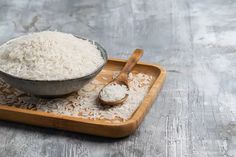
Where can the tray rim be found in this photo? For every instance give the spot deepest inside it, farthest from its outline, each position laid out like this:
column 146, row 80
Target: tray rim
column 132, row 123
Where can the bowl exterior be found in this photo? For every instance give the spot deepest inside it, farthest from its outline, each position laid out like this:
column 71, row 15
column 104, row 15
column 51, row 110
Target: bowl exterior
column 47, row 88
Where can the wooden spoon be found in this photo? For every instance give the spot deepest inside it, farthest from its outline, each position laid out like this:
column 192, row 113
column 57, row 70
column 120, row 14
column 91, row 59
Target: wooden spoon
column 122, row 78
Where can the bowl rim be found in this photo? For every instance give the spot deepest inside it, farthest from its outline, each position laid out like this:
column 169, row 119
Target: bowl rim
column 103, row 53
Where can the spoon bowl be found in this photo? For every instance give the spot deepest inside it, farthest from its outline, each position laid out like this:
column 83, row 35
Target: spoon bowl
column 117, row 102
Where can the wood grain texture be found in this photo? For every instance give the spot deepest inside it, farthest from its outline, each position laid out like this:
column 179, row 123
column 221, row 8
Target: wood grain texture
column 106, row 128
column 195, row 114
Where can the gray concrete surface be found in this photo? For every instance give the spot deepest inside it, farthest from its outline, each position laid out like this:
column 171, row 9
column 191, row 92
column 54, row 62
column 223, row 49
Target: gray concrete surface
column 195, row 114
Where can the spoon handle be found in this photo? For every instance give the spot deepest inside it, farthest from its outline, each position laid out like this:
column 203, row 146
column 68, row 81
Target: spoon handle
column 134, row 58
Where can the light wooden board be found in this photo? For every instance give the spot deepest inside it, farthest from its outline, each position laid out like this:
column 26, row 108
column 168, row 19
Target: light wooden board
column 89, row 126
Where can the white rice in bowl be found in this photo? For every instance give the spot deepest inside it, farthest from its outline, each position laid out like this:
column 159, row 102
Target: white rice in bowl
column 49, row 56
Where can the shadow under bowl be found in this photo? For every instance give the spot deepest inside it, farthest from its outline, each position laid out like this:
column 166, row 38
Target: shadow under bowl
column 53, row 88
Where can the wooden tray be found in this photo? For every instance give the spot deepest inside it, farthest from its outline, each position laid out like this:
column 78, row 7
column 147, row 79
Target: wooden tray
column 95, row 127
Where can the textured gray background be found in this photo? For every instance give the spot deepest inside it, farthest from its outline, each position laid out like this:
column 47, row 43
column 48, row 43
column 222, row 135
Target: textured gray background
column 195, row 114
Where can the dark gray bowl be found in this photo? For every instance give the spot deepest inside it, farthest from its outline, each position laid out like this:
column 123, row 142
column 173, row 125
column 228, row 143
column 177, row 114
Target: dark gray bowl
column 54, row 88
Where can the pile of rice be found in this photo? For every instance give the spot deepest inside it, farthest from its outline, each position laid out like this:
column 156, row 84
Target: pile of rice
column 49, row 56
column 113, row 92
